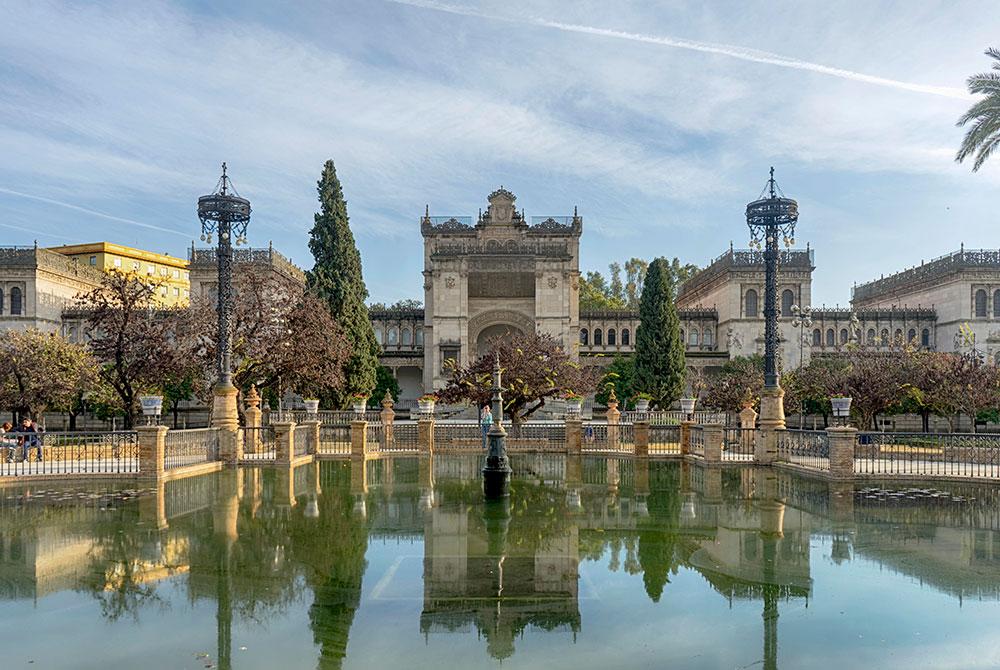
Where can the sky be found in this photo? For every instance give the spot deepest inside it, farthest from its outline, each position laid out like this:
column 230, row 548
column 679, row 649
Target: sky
column 659, row 121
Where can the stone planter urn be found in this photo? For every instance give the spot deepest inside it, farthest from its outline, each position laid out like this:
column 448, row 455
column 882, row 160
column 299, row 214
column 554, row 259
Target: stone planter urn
column 574, row 406
column 312, row 406
column 152, row 406
column 426, row 406
column 841, row 407
column 642, row 405
column 687, row 407
column 360, row 405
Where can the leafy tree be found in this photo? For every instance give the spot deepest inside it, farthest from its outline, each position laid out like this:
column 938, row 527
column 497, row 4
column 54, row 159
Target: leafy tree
column 337, row 280
column 598, row 293
column 635, row 275
column 406, row 303
column 984, row 135
column 737, row 385
column 384, row 381
column 659, row 351
column 595, row 295
column 180, row 386
column 41, row 371
column 535, row 368
column 620, row 376
column 130, row 338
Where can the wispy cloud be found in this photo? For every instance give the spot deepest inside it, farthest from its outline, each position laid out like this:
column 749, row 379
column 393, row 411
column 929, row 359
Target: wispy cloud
column 733, row 51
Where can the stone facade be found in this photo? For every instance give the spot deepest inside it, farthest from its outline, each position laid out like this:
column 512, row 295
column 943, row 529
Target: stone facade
column 205, row 273
column 37, row 285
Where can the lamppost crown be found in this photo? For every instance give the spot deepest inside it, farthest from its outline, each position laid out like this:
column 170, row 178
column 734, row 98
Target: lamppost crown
column 224, row 212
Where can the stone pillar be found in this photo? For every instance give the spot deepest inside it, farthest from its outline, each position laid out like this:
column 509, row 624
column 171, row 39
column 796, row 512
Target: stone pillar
column 748, row 418
column 230, row 445
column 686, row 437
column 772, row 419
column 388, row 416
column 224, row 412
column 152, row 443
column 842, row 440
column 225, row 509
column 613, row 417
column 252, row 416
column 312, row 447
column 425, row 435
column 641, row 432
column 359, row 430
column 714, row 434
column 283, row 436
column 712, row 492
column 253, row 490
column 574, row 436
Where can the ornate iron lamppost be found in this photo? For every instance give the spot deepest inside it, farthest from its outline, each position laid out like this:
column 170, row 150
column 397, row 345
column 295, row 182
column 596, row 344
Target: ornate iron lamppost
column 225, row 215
column 496, row 471
column 803, row 321
column 770, row 216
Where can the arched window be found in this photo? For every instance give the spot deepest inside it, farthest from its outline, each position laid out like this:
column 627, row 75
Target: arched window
column 584, row 336
column 682, row 336
column 693, row 337
column 884, row 337
column 598, row 337
column 707, row 338
column 15, row 301
column 844, row 336
column 611, row 337
column 897, row 337
column 393, row 336
column 787, row 300
column 831, row 337
column 420, row 337
column 750, row 304
column 625, row 340
column 925, row 338
column 911, row 336
column 407, row 337
column 996, row 303
column 378, row 335
column 980, row 302
column 817, row 337
column 871, row 336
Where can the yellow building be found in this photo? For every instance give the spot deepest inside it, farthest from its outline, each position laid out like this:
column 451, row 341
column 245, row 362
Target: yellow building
column 170, row 273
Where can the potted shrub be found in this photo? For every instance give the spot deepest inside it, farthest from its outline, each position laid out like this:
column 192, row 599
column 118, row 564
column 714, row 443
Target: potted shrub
column 360, row 402
column 574, row 403
column 426, row 403
column 642, row 401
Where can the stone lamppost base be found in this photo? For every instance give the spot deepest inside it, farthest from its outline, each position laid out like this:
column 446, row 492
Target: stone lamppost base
column 497, row 470
column 772, row 418
column 224, row 412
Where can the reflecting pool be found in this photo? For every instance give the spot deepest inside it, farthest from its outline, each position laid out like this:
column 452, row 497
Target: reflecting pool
column 591, row 563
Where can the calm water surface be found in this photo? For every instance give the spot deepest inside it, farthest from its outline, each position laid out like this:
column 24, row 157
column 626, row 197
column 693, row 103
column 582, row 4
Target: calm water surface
column 592, row 563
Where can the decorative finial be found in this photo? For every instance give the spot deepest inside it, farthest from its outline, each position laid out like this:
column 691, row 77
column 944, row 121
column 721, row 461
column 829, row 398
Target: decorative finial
column 427, row 211
column 771, row 182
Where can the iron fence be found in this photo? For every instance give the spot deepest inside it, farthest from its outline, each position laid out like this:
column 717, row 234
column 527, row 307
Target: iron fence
column 738, row 443
column 804, row 447
column 334, row 439
column 674, row 417
column 697, row 441
column 258, row 443
column 187, row 447
column 664, row 439
column 67, row 453
column 326, row 417
column 932, row 454
column 300, row 440
column 402, row 438
column 458, row 435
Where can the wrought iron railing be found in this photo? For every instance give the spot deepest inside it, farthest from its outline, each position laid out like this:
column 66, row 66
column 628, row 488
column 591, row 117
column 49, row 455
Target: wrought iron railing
column 300, row 440
column 697, row 437
column 67, row 453
column 738, row 443
column 674, row 417
column 187, row 447
column 664, row 438
column 258, row 443
column 804, row 447
column 931, row 454
column 325, row 417
column 334, row 439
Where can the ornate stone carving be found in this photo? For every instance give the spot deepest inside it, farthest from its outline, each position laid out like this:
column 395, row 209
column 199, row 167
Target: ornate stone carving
column 553, row 282
column 449, row 281
column 480, row 322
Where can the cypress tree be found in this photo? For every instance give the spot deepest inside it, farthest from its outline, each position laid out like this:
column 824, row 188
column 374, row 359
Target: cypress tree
column 659, row 351
column 336, row 279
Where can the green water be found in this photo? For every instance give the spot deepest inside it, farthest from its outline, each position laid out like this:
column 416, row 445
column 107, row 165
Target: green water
column 592, row 563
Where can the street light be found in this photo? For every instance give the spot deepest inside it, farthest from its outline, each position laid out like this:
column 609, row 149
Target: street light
column 769, row 217
column 803, row 321
column 225, row 215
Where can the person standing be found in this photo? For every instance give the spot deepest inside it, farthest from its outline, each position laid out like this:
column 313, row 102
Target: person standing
column 485, row 422
column 28, row 439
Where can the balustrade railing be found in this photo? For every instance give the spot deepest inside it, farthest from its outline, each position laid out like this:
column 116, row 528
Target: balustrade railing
column 804, row 447
column 674, row 417
column 258, row 443
column 300, row 440
column 67, row 453
column 931, row 454
column 325, row 417
column 334, row 439
column 664, row 439
column 187, row 447
column 738, row 443
column 697, row 441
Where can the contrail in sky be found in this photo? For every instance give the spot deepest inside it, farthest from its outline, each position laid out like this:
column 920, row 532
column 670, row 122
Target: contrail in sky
column 92, row 212
column 742, row 53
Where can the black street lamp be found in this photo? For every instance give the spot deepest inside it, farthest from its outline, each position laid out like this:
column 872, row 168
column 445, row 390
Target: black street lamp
column 225, row 215
column 768, row 217
column 496, row 471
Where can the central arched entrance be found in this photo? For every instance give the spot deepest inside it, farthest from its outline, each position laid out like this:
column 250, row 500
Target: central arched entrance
column 495, row 323
column 488, row 334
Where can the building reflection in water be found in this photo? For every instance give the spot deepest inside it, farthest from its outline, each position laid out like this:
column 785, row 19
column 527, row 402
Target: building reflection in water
column 255, row 542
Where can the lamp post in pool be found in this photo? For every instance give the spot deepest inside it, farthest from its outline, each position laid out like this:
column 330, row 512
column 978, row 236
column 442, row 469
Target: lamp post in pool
column 496, row 471
column 770, row 216
column 225, row 215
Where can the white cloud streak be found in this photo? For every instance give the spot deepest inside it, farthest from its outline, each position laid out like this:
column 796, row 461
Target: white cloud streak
column 732, row 51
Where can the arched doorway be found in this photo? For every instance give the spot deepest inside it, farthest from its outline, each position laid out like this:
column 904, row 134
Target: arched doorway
column 500, row 330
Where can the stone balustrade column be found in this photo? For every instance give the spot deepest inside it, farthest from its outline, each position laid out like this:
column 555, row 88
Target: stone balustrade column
column 765, row 449
column 748, row 418
column 686, row 437
column 425, row 434
column 252, row 416
column 359, row 436
column 641, row 433
column 284, row 432
column 388, row 416
column 312, row 447
column 230, row 444
column 574, row 436
column 842, row 441
column 714, row 434
column 152, row 447
column 613, row 417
